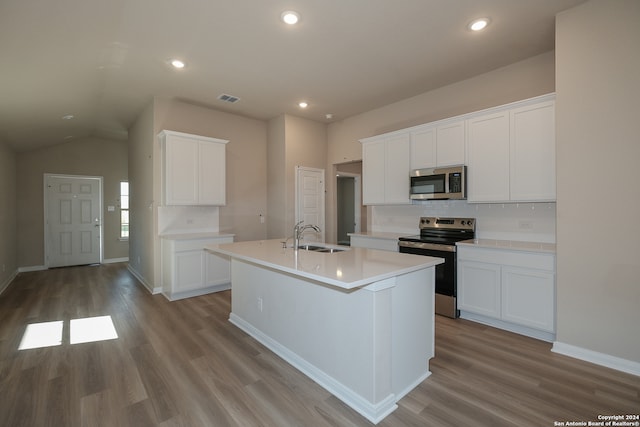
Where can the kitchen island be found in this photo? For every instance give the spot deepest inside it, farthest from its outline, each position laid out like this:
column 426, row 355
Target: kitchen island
column 359, row 322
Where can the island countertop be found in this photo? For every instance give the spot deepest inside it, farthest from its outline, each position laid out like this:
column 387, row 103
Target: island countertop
column 348, row 269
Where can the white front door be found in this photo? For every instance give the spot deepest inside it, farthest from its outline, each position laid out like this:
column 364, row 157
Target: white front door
column 73, row 220
column 310, row 200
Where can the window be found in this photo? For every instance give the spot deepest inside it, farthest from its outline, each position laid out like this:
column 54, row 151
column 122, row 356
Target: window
column 124, row 210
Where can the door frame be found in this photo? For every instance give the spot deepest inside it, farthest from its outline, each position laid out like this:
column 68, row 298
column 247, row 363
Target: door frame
column 47, row 243
column 357, row 199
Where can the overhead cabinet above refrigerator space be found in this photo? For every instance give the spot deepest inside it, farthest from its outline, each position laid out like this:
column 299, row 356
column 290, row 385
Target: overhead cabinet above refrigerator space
column 511, row 154
column 193, row 169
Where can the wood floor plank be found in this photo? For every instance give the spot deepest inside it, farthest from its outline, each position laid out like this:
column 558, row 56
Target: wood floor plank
column 183, row 363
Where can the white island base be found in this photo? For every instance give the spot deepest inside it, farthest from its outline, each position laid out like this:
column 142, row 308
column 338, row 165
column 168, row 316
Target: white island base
column 369, row 345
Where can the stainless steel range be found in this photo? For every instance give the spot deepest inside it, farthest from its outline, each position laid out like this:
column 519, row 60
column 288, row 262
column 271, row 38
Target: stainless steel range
column 438, row 237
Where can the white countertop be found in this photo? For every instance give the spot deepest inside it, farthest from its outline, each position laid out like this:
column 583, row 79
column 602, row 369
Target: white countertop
column 352, row 268
column 197, row 235
column 510, row 245
column 380, row 235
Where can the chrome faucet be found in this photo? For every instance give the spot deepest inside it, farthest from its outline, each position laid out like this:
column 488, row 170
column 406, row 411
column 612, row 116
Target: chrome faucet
column 299, row 229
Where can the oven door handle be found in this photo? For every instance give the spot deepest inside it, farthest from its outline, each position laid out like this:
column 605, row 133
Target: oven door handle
column 424, row 245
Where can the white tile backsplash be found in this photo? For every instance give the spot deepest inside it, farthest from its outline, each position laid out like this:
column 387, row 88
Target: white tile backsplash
column 188, row 219
column 535, row 222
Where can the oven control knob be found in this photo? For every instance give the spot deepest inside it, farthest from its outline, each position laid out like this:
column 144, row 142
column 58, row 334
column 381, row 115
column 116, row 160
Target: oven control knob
column 462, row 222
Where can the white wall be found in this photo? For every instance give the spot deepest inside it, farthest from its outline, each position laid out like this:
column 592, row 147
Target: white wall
column 598, row 150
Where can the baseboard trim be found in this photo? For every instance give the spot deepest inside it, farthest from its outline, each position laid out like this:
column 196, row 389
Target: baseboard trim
column 32, row 268
column 115, row 260
column 4, row 285
column 374, row 412
column 602, row 359
column 507, row 326
column 174, row 296
column 141, row 279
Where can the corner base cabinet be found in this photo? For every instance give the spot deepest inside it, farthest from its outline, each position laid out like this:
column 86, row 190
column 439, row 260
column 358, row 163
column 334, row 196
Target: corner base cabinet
column 193, row 169
column 188, row 270
column 513, row 290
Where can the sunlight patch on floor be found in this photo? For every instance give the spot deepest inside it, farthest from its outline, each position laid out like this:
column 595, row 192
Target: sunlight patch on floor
column 46, row 334
column 92, row 329
column 49, row 334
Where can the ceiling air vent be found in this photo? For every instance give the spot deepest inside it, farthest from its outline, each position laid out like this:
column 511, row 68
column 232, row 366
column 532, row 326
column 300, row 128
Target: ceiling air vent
column 228, row 98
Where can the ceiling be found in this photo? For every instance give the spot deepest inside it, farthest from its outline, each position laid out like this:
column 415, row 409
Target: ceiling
column 102, row 61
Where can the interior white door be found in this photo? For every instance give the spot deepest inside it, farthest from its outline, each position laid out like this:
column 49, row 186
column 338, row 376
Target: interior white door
column 73, row 220
column 310, row 201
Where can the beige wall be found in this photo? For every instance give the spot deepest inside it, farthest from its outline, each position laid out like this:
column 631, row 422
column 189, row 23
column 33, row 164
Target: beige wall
column 598, row 149
column 8, row 215
column 246, row 163
column 525, row 79
column 276, row 178
column 89, row 156
column 293, row 141
column 143, row 220
column 246, row 175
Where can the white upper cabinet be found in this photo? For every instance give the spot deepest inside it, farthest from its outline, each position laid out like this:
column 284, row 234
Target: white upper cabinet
column 194, row 169
column 533, row 153
column 385, row 170
column 511, row 153
column 423, row 148
column 488, row 146
column 438, row 145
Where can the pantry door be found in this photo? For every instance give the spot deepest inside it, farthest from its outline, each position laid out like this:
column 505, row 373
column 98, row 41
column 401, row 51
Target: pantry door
column 310, row 201
column 73, row 220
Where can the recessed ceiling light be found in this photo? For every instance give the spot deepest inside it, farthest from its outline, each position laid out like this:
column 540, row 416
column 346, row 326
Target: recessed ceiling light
column 479, row 24
column 303, row 104
column 290, row 17
column 176, row 63
column 67, row 117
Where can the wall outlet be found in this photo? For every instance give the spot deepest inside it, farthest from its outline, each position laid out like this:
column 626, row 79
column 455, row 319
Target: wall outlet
column 525, row 225
column 260, row 304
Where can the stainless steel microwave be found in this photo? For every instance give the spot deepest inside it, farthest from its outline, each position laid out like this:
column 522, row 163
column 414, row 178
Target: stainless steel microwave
column 439, row 183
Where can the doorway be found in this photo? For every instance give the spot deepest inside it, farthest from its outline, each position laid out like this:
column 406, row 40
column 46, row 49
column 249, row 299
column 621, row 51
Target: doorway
column 348, row 206
column 72, row 220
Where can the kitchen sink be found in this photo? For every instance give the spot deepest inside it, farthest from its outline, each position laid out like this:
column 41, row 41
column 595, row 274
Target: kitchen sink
column 323, row 249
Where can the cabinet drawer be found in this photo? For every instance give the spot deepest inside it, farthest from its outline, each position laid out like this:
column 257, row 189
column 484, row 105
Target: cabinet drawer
column 524, row 259
column 195, row 244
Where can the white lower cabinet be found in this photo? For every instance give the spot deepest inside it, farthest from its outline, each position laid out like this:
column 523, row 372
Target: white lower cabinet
column 188, row 270
column 512, row 290
column 528, row 297
column 481, row 290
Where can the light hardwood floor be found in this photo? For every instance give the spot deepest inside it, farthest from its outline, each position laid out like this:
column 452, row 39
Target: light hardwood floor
column 183, row 364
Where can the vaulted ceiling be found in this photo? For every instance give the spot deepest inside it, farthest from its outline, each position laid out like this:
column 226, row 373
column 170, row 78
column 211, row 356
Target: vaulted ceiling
column 103, row 61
